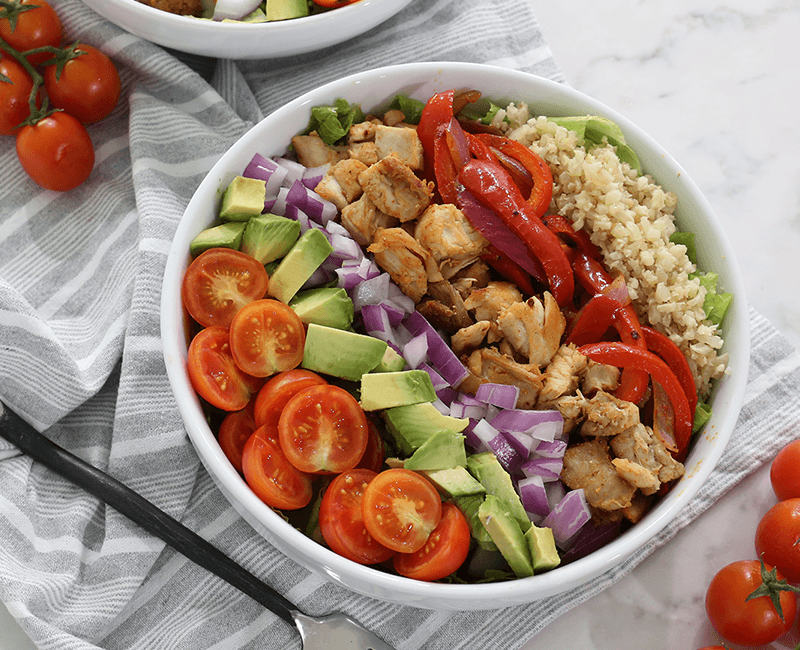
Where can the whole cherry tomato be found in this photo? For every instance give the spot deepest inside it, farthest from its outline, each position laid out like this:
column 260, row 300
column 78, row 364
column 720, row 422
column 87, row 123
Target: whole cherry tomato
column 778, row 537
column 87, row 87
column 56, row 152
column 785, row 472
column 26, row 28
column 14, row 96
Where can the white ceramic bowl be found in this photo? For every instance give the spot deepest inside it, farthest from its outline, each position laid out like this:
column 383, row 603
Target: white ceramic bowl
column 270, row 137
column 247, row 40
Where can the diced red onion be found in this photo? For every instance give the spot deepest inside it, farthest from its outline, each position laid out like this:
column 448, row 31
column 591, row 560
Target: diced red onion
column 319, row 277
column 370, row 292
column 313, row 175
column 460, row 410
column 551, row 448
column 567, row 517
column 349, row 277
column 436, row 379
column 335, row 228
column 376, row 323
column 469, row 400
column 521, row 442
column 345, row 248
column 544, row 425
column 556, row 491
column 415, row 352
column 503, row 395
column 447, row 395
column 395, row 315
column 533, row 496
column 549, row 469
column 367, row 269
column 471, row 439
column 401, row 300
column 440, row 406
column 268, row 171
column 440, row 356
column 277, row 204
column 294, row 170
column 496, row 442
column 233, row 9
column 589, row 539
column 302, row 198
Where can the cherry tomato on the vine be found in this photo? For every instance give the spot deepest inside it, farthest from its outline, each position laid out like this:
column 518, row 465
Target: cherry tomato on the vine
column 784, row 474
column 32, row 28
column 778, row 537
column 14, row 96
column 87, row 87
column 56, row 152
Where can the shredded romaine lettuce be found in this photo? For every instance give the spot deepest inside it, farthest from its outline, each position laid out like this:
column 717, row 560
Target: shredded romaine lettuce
column 412, row 108
column 332, row 123
column 716, row 304
column 597, row 130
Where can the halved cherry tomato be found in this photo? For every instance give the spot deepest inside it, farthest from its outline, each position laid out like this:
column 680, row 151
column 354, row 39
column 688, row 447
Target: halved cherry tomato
column 279, row 390
column 215, row 375
column 272, row 477
column 341, row 521
column 219, row 282
column 445, row 550
column 323, row 430
column 401, row 509
column 267, row 336
column 373, row 455
column 234, row 431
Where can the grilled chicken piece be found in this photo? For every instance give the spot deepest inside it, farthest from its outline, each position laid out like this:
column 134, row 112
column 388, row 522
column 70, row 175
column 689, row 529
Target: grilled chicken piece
column 362, row 220
column 608, row 416
column 640, row 504
column 340, row 185
column 563, row 373
column 571, row 408
column 639, row 447
column 599, row 376
column 401, row 141
column 490, row 366
column 491, row 301
column 403, row 259
column 588, row 465
column 475, row 276
column 468, row 339
column 313, row 152
column 446, row 294
column 534, row 328
column 395, row 189
column 366, row 152
column 450, row 237
column 363, row 131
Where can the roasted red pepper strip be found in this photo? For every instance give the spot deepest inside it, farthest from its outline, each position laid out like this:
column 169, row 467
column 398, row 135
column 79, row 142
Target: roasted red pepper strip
column 437, row 113
column 444, row 169
column 493, row 186
column 664, row 347
column 578, row 239
column 593, row 320
column 624, row 355
column 594, row 278
column 509, row 269
column 542, row 192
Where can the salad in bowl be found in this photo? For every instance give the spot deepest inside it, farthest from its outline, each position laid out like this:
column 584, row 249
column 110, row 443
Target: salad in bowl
column 452, row 335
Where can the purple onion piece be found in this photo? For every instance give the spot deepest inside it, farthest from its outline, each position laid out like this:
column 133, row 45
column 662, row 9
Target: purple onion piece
column 370, row 292
column 294, row 170
column 496, row 442
column 440, row 356
column 533, row 496
column 543, row 425
column 503, row 395
column 549, row 469
column 313, row 175
column 436, row 379
column 567, row 517
column 589, row 539
column 550, row 448
column 268, row 171
column 415, row 352
column 521, row 442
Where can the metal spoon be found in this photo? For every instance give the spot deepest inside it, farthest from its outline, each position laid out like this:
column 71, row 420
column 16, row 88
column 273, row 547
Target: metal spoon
column 328, row 632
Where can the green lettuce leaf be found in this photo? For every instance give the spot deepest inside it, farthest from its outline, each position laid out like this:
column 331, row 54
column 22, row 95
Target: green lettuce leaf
column 593, row 129
column 412, row 108
column 333, row 122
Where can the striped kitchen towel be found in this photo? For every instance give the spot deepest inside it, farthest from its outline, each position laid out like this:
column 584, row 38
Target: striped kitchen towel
column 80, row 356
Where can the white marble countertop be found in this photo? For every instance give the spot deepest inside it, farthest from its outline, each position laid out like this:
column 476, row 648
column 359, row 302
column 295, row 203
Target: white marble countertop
column 717, row 84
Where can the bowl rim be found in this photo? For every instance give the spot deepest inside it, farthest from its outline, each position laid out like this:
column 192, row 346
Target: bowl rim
column 520, row 590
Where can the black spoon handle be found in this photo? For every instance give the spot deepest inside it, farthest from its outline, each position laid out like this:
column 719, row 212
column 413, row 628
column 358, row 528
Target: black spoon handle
column 154, row 520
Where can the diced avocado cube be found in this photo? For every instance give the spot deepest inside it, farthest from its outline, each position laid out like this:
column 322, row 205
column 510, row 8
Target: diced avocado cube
column 383, row 390
column 243, row 198
column 255, row 16
column 329, row 306
column 268, row 237
column 413, row 424
column 454, row 482
column 470, row 504
column 341, row 353
column 392, row 361
column 443, row 450
column 305, row 257
column 507, row 535
column 487, row 469
column 542, row 545
column 225, row 235
column 286, row 9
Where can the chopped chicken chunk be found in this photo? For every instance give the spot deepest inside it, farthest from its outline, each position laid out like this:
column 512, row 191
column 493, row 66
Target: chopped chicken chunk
column 491, row 301
column 403, row 259
column 588, row 465
column 313, row 152
column 638, row 508
column 473, row 277
column 637, row 475
column 607, row 415
column 563, row 373
column 395, row 189
column 571, row 408
column 490, row 366
column 599, row 376
column 639, row 446
column 362, row 132
column 468, row 339
column 402, row 142
column 340, row 185
column 450, row 237
column 366, row 152
column 362, row 220
column 534, row 328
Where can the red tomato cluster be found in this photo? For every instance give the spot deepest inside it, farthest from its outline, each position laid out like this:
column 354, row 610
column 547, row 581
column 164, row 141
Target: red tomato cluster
column 80, row 83
column 287, row 427
column 750, row 602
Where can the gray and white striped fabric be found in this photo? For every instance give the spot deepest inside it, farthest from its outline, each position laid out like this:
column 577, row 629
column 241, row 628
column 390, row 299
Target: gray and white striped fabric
column 80, row 356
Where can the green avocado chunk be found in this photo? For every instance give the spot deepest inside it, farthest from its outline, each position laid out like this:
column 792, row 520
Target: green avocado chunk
column 299, row 264
column 243, row 198
column 412, row 425
column 443, row 450
column 487, row 469
column 286, row 9
column 268, row 237
column 329, row 306
column 392, row 361
column 470, row 505
column 225, row 235
column 542, row 545
column 454, row 481
column 341, row 353
column 507, row 535
column 383, row 390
